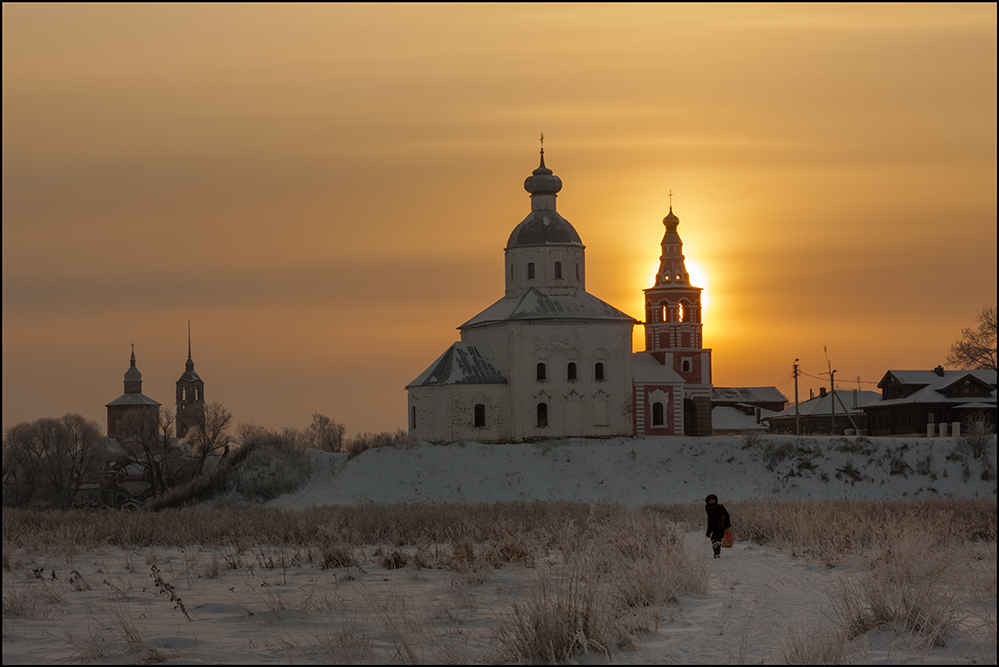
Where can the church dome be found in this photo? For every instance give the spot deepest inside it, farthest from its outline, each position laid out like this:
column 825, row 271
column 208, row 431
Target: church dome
column 133, row 374
column 544, row 226
column 542, row 181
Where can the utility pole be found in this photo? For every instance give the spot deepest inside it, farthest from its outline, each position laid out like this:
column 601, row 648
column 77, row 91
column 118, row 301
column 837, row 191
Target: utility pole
column 832, row 401
column 797, row 422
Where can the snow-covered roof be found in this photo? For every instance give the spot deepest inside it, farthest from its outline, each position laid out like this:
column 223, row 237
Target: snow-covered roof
column 725, row 418
column 823, row 405
column 747, row 395
column 647, row 369
column 935, row 378
column 132, row 399
column 462, row 363
column 534, row 305
column 934, row 385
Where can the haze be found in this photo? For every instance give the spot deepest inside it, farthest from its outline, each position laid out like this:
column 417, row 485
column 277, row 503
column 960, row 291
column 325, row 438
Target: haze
column 325, row 191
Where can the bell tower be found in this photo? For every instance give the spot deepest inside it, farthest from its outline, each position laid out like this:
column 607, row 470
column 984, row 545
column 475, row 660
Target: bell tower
column 673, row 329
column 190, row 394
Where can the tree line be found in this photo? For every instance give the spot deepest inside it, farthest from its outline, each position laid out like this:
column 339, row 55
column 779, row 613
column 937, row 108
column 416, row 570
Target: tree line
column 66, row 461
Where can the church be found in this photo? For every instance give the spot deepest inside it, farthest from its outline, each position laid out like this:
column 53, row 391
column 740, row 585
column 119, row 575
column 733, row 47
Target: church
column 551, row 360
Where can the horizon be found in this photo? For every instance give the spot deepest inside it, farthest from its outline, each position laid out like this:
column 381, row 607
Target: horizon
column 325, row 192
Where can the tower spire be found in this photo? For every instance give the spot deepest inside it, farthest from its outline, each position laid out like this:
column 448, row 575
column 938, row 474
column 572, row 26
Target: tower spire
column 189, row 339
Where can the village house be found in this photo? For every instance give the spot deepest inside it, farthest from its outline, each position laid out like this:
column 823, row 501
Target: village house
column 931, row 402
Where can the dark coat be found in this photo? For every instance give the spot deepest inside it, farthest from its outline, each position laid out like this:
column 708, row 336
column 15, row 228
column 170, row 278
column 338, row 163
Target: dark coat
column 718, row 519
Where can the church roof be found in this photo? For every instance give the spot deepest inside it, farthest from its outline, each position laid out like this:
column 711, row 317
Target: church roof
column 544, row 227
column 534, row 305
column 747, row 395
column 647, row 369
column 132, row 399
column 462, row 363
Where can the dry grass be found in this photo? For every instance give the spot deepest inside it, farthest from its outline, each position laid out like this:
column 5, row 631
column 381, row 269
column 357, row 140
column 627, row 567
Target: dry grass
column 596, row 576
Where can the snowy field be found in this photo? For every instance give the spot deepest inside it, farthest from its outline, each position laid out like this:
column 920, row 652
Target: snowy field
column 640, row 583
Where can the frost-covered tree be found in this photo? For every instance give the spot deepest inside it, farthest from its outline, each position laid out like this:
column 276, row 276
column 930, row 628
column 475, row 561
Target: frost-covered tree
column 324, row 433
column 47, row 459
column 975, row 349
column 210, row 433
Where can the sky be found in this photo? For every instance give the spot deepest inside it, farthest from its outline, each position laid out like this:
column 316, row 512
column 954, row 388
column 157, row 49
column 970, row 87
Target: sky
column 324, row 191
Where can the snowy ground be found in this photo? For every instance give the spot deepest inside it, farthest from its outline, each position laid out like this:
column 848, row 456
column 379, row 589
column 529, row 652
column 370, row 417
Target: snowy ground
column 107, row 606
column 642, row 471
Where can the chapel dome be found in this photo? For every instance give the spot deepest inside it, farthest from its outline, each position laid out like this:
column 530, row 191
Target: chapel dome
column 544, row 226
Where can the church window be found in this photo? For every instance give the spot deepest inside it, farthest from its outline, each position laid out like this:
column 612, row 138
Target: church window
column 657, row 414
column 183, row 393
column 542, row 415
column 480, row 415
column 530, row 270
column 664, row 314
column 412, row 417
column 570, row 371
column 542, row 372
column 679, row 313
column 577, row 271
column 558, row 270
column 511, row 272
column 685, row 365
column 201, row 393
column 598, row 371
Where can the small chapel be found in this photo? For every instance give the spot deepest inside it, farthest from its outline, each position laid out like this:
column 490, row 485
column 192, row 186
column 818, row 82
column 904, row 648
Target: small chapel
column 550, row 360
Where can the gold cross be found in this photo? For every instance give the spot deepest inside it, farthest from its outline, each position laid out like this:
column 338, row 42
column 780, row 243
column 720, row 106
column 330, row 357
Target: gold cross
column 542, row 142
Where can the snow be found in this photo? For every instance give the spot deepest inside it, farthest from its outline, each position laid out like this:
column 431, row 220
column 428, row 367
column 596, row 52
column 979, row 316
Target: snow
column 640, row 471
column 756, row 595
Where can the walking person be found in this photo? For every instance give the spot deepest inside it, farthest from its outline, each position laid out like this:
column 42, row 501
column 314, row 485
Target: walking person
column 718, row 522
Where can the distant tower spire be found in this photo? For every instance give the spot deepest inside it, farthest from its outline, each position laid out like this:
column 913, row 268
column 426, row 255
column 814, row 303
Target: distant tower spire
column 190, row 394
column 671, row 200
column 542, row 149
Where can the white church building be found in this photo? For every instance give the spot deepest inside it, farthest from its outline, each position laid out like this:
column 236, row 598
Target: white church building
column 550, row 360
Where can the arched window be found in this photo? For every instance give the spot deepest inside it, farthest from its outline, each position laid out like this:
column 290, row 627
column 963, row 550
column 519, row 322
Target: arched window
column 558, row 270
column 679, row 313
column 685, row 366
column 657, row 414
column 542, row 372
column 598, row 371
column 480, row 415
column 664, row 314
column 570, row 371
column 542, row 415
column 530, row 270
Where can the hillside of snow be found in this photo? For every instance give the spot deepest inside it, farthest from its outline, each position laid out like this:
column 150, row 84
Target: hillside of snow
column 641, row 471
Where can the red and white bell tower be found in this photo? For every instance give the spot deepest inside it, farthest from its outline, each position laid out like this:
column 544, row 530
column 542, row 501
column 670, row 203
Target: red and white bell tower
column 673, row 334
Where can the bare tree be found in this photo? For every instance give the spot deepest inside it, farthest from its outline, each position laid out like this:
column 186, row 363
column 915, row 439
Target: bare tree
column 161, row 459
column 325, row 434
column 210, row 434
column 49, row 458
column 976, row 349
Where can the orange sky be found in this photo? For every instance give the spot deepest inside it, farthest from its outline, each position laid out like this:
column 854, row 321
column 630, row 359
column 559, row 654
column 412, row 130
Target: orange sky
column 325, row 191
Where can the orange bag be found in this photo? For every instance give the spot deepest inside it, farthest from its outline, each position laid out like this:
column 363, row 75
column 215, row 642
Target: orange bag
column 728, row 539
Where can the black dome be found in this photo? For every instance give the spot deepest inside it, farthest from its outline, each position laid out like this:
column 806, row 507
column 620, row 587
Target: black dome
column 543, row 228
